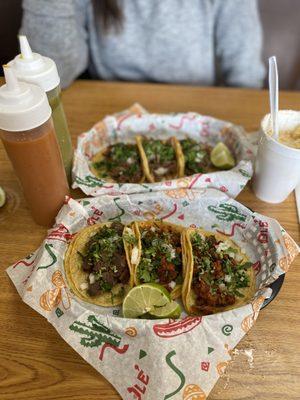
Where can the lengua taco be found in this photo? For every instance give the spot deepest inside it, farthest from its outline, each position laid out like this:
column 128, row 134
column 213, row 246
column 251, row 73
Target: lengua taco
column 96, row 264
column 162, row 159
column 119, row 162
column 196, row 157
column 159, row 256
column 219, row 275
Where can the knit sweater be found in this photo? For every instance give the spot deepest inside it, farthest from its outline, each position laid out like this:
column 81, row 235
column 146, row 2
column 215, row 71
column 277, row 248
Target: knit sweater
column 200, row 42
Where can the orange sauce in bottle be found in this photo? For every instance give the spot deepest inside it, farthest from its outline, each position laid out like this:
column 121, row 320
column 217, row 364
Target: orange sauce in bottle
column 37, row 161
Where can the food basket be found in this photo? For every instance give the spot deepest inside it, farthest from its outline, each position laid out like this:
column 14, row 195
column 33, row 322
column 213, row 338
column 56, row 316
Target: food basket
column 153, row 359
column 123, row 127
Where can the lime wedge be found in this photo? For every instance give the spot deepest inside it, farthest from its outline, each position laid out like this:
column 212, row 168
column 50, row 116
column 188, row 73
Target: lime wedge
column 170, row 310
column 145, row 299
column 221, row 157
column 2, row 197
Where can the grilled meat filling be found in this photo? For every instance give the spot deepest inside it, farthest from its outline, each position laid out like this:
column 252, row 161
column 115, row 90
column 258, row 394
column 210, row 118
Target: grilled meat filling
column 161, row 158
column 197, row 156
column 121, row 162
column 161, row 257
column 218, row 274
column 104, row 259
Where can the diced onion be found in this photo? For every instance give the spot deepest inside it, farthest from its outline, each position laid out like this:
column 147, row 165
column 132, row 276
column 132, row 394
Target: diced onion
column 222, row 246
column 227, row 278
column 84, row 286
column 129, row 231
column 92, row 278
column 134, row 255
column 130, row 160
column 222, row 286
column 172, row 284
column 199, row 157
column 161, row 171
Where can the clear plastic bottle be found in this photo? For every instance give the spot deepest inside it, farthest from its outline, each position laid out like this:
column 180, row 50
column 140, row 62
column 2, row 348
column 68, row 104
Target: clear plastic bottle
column 33, row 68
column 28, row 136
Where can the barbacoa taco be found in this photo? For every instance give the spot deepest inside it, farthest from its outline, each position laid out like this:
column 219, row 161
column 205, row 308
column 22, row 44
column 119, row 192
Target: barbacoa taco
column 96, row 264
column 119, row 162
column 218, row 276
column 158, row 258
column 162, row 159
column 196, row 157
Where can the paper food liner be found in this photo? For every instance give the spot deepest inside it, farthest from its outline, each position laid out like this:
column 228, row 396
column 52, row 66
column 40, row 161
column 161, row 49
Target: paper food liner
column 136, row 121
column 146, row 359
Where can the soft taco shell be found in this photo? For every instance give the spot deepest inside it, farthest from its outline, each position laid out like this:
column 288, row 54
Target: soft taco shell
column 100, row 156
column 76, row 276
column 188, row 296
column 178, row 154
column 136, row 226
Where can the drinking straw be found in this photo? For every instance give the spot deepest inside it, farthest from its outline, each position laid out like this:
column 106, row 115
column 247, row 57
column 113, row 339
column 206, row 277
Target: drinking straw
column 273, row 93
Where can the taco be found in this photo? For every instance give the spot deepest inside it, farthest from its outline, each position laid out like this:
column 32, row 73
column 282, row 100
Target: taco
column 119, row 162
column 218, row 277
column 162, row 159
column 96, row 264
column 159, row 258
column 196, row 157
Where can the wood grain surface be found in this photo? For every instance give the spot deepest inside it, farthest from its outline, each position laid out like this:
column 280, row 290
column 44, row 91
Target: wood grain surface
column 36, row 363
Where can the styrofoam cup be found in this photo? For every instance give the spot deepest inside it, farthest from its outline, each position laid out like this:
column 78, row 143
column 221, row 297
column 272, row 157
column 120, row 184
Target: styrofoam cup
column 277, row 166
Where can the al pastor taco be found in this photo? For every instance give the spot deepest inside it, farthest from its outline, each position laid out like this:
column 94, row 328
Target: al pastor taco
column 119, row 162
column 162, row 159
column 96, row 264
column 219, row 275
column 196, row 157
column 159, row 256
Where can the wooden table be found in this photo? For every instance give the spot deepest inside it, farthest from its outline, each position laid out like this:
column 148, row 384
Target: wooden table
column 35, row 363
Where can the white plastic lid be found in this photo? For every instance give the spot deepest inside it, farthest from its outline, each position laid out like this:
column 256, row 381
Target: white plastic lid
column 34, row 68
column 23, row 106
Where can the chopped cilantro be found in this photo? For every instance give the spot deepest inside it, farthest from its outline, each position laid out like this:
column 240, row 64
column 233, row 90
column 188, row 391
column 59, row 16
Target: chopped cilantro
column 238, row 294
column 144, row 275
column 246, row 265
column 129, row 238
column 102, row 253
column 121, row 162
column 196, row 156
column 106, row 286
column 230, row 250
column 159, row 151
column 218, row 269
column 161, row 253
column 197, row 240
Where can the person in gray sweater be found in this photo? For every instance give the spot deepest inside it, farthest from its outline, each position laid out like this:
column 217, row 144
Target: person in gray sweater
column 199, row 42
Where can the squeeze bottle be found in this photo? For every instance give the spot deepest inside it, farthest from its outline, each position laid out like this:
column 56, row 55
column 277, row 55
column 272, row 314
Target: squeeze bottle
column 33, row 68
column 28, row 136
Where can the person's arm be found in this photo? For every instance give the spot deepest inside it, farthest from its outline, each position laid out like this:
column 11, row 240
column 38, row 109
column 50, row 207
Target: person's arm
column 56, row 30
column 238, row 43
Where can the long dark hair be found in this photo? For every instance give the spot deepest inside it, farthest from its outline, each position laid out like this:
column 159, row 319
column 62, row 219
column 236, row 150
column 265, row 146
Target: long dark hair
column 110, row 15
